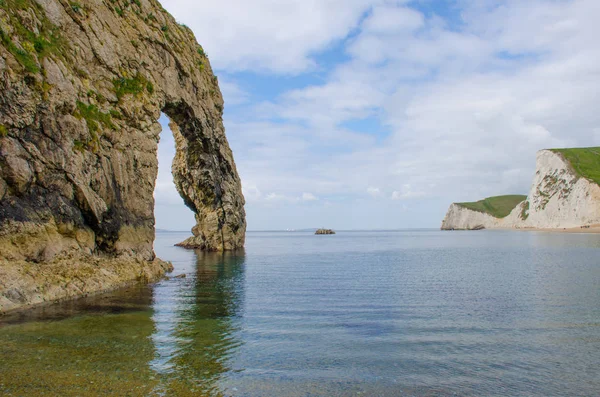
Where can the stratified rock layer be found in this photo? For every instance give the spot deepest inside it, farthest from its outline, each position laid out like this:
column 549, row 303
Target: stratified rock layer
column 82, row 85
column 559, row 198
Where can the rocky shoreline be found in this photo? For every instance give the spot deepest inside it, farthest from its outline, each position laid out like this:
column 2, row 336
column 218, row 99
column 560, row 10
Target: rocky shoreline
column 24, row 284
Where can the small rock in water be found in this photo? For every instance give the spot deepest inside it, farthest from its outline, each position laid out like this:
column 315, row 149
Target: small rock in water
column 324, row 231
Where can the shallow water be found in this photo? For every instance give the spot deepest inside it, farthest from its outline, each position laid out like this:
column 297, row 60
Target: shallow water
column 359, row 313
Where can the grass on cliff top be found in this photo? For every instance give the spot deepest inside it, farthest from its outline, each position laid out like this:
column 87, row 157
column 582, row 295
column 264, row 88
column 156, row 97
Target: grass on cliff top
column 585, row 161
column 498, row 207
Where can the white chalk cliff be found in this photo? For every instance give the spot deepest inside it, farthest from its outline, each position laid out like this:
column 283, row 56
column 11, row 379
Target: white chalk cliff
column 559, row 198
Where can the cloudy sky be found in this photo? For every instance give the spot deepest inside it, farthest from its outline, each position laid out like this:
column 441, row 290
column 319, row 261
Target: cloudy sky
column 377, row 114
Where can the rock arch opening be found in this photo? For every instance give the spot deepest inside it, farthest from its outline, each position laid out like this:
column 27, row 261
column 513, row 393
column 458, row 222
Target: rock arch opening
column 170, row 211
column 205, row 177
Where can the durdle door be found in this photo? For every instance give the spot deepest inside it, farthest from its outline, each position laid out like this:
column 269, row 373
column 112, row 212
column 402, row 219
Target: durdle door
column 82, row 86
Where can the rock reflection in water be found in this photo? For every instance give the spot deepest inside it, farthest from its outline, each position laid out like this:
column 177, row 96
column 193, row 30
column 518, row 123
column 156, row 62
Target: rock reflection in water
column 197, row 319
column 172, row 339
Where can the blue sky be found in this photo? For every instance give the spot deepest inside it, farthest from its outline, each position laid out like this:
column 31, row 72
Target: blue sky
column 377, row 114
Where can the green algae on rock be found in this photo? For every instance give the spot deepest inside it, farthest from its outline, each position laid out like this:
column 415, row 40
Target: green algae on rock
column 81, row 89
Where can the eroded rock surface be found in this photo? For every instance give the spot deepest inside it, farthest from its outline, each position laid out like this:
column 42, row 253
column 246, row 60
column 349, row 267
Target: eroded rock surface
column 82, row 85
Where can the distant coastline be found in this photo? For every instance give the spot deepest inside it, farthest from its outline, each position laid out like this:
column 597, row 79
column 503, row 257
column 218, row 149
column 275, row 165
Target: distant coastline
column 564, row 196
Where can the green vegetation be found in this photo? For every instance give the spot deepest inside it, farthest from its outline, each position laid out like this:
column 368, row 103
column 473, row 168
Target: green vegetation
column 81, row 73
column 525, row 211
column 498, row 207
column 93, row 118
column 30, row 44
column 134, row 86
column 99, row 97
column 79, row 146
column 18, row 4
column 23, row 57
column 115, row 114
column 76, row 6
column 585, row 161
column 3, row 131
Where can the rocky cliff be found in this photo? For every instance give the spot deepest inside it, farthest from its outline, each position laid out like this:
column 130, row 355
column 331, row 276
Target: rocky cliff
column 82, row 85
column 564, row 194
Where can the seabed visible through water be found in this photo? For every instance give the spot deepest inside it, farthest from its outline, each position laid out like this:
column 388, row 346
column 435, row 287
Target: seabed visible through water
column 414, row 312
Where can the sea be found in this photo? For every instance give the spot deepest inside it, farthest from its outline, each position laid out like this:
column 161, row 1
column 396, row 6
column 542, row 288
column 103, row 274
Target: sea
column 358, row 313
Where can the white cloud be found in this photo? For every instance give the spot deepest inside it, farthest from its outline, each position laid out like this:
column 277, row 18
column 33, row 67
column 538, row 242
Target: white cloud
column 251, row 192
column 309, row 197
column 272, row 198
column 406, row 193
column 374, row 192
column 463, row 107
column 269, row 35
column 232, row 93
column 275, row 197
column 389, row 19
column 476, row 115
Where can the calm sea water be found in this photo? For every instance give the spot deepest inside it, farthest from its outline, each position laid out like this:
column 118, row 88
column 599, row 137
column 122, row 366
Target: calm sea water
column 402, row 313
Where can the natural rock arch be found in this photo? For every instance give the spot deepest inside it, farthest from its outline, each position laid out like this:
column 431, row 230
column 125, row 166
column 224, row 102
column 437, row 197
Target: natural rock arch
column 81, row 90
column 205, row 176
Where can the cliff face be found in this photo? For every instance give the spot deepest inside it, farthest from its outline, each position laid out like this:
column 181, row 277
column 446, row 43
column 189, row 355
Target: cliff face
column 559, row 198
column 461, row 218
column 82, row 86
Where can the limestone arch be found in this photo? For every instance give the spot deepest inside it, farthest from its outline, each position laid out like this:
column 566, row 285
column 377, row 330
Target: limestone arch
column 79, row 132
column 202, row 173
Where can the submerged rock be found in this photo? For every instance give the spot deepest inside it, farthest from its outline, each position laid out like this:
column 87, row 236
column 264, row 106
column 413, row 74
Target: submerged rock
column 81, row 90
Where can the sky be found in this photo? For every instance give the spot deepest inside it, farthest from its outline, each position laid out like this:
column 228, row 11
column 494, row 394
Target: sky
column 378, row 114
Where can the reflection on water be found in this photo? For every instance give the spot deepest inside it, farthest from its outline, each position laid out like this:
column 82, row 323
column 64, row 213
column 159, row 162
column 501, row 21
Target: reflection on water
column 197, row 319
column 174, row 338
column 374, row 313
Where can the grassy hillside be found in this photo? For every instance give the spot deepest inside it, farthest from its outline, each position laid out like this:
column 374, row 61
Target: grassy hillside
column 585, row 161
column 499, row 206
